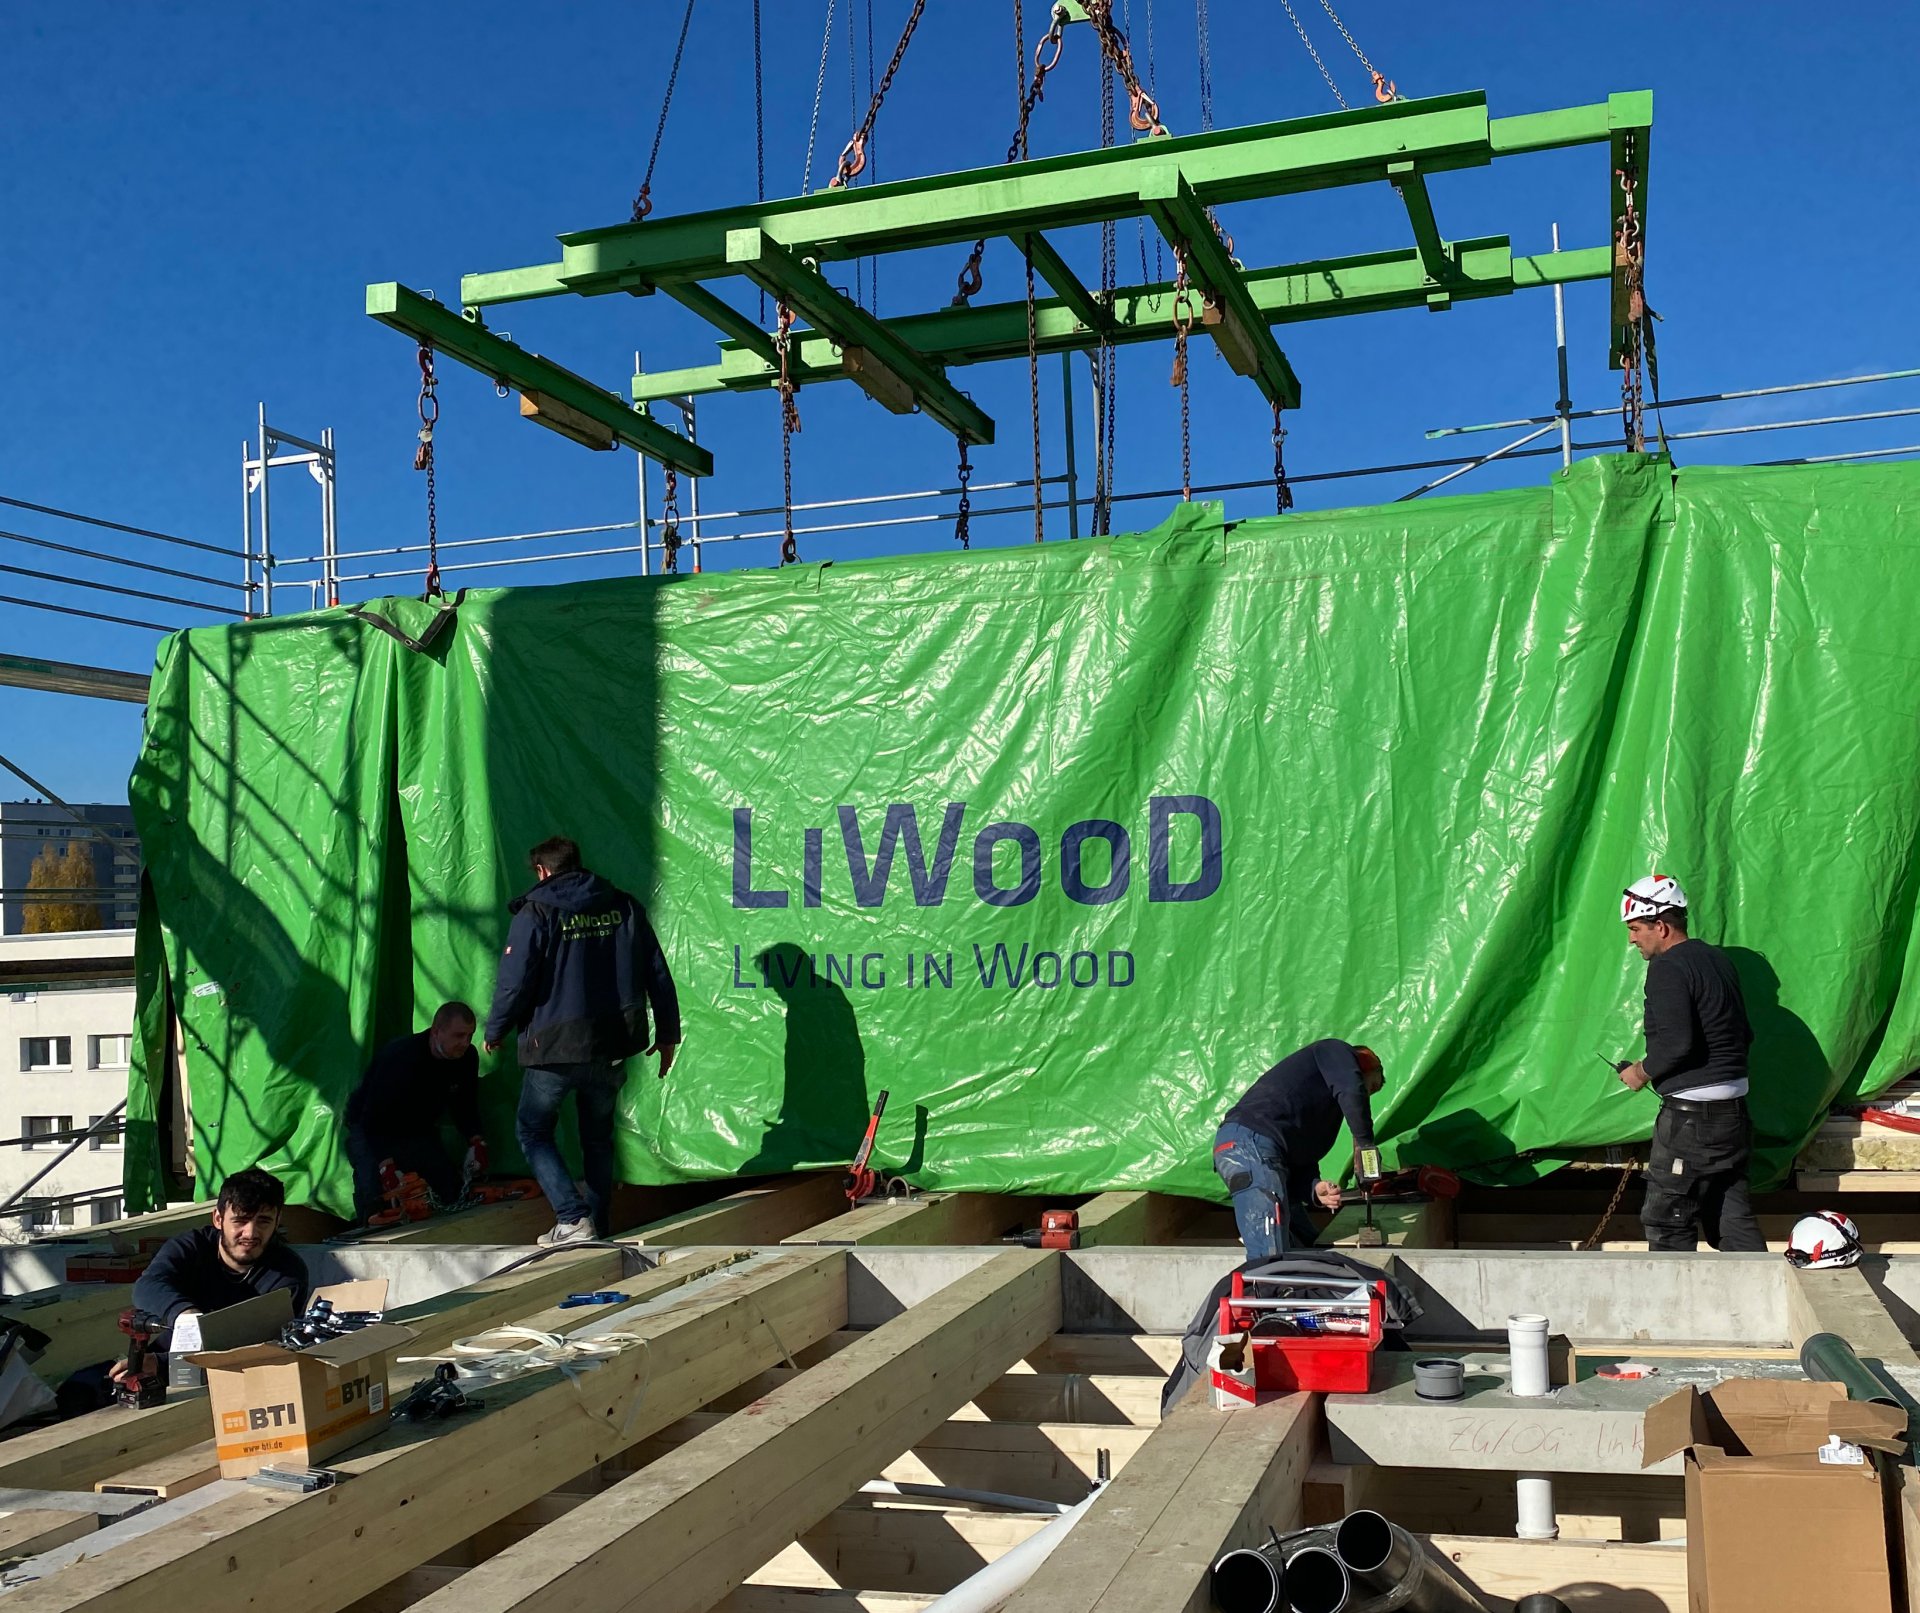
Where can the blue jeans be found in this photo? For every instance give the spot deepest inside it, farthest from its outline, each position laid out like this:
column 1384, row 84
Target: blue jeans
column 1254, row 1167
column 596, row 1089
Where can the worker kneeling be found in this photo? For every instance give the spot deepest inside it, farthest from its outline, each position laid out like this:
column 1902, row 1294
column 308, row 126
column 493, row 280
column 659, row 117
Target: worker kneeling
column 1269, row 1147
column 394, row 1118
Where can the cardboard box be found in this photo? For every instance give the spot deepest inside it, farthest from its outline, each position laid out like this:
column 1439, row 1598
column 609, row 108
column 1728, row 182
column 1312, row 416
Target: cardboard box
column 272, row 1405
column 1772, row 1525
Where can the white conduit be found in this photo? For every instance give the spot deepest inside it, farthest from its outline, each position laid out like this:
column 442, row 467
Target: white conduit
column 998, row 1581
column 978, row 1498
column 1533, row 1494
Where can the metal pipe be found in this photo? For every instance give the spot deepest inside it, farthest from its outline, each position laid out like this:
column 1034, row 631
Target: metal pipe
column 882, row 498
column 114, row 588
column 65, row 1154
column 1397, row 1570
column 978, row 1498
column 329, row 523
column 266, row 524
column 246, row 523
column 1682, row 403
column 1564, row 406
column 1315, row 1581
column 86, row 615
column 1248, row 1579
column 279, row 438
column 1073, row 473
column 1828, row 1358
column 113, row 526
column 1484, row 459
column 115, row 559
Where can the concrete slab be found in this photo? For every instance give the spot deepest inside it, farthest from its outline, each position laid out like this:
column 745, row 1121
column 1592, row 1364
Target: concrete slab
column 1593, row 1427
column 1695, row 1298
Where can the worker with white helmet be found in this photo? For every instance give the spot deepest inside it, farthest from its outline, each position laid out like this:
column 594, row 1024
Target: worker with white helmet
column 1696, row 1062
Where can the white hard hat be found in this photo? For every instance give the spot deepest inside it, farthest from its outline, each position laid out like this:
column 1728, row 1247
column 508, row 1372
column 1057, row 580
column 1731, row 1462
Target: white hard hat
column 1650, row 897
column 1824, row 1239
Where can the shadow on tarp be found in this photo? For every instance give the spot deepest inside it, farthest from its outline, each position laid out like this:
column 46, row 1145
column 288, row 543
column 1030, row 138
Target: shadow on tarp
column 825, row 1105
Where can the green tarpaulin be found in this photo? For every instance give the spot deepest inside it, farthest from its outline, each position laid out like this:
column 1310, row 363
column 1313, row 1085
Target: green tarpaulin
column 1063, row 845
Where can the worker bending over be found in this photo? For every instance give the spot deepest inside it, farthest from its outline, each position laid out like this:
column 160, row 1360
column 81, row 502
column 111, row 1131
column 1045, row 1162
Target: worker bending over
column 1269, row 1147
column 581, row 966
column 240, row 1256
column 394, row 1117
column 1696, row 1061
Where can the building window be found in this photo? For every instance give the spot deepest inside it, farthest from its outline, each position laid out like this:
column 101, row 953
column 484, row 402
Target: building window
column 37, row 1221
column 46, row 1053
column 43, row 1127
column 108, row 1136
column 105, row 1210
column 109, row 1052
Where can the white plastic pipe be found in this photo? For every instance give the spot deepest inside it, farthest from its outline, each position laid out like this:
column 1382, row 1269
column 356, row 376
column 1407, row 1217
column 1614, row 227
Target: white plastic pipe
column 1534, row 1494
column 998, row 1581
column 978, row 1498
column 1527, row 1348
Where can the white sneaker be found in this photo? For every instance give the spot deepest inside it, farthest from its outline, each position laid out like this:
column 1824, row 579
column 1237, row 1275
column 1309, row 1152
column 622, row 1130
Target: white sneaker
column 580, row 1231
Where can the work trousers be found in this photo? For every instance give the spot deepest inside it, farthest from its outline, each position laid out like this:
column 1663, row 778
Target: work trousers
column 596, row 1092
column 1697, row 1178
column 1269, row 1215
column 425, row 1155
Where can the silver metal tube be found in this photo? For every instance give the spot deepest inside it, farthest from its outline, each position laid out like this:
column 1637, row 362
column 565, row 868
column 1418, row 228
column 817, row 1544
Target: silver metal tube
column 115, row 588
column 1387, row 1563
column 277, row 438
column 65, row 1154
column 1073, row 474
column 246, row 522
column 1564, row 407
column 329, row 522
column 266, row 524
column 1685, row 403
column 1484, row 459
column 459, row 543
column 115, row 560
column 117, row 526
column 876, row 498
column 86, row 615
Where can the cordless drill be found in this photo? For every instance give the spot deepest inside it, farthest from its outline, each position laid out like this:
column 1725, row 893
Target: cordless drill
column 143, row 1382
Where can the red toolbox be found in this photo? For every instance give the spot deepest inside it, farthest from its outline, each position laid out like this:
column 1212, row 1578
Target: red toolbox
column 1307, row 1333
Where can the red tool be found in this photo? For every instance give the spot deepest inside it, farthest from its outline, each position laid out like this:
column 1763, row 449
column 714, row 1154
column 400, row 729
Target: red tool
column 1058, row 1229
column 143, row 1381
column 860, row 1181
column 409, row 1201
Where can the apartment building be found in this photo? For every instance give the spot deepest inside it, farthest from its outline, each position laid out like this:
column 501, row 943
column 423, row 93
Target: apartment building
column 27, row 828
column 66, row 1040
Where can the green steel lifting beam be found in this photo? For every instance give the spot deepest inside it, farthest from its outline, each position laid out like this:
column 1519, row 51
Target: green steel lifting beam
column 502, row 361
column 783, row 244
column 1232, row 318
column 872, row 352
column 1372, row 283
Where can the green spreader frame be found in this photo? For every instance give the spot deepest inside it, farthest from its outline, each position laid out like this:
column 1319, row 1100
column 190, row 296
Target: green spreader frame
column 782, row 246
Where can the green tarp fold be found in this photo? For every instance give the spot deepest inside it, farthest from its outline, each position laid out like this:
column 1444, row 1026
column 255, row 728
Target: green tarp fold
column 1062, row 845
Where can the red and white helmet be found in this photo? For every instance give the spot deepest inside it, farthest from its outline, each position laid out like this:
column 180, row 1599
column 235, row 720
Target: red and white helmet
column 1824, row 1239
column 1650, row 897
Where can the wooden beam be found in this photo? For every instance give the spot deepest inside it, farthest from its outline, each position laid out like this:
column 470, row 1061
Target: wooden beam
column 685, row 1530
column 927, row 1218
column 418, row 1490
column 27, row 1534
column 77, row 1454
column 569, row 423
column 1108, row 1219
column 1875, row 1181
column 765, row 1212
column 515, row 1221
column 1599, row 1577
column 166, row 1476
column 894, row 1549
column 81, row 1321
column 1018, row 1397
column 1203, row 1482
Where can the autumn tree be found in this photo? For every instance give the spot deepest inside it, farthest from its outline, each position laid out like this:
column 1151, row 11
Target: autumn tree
column 69, row 870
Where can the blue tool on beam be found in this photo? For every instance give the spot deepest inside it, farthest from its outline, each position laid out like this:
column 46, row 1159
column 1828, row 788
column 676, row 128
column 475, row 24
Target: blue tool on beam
column 605, row 1296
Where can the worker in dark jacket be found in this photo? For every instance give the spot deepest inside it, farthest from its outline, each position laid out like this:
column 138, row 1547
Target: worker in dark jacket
column 581, row 967
column 1269, row 1147
column 395, row 1115
column 240, row 1256
column 1696, row 1061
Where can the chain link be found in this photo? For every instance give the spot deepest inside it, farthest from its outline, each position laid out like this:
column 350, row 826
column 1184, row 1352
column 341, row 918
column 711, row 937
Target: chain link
column 819, row 88
column 1592, row 1239
column 429, row 406
column 1300, row 28
column 670, row 522
column 1143, row 112
column 1383, row 90
column 854, row 157
column 963, row 516
column 789, row 424
column 1629, row 258
column 1183, row 322
column 1282, row 490
column 1103, row 354
column 643, row 203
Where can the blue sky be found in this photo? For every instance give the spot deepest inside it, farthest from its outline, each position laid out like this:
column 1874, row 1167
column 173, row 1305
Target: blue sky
column 195, row 195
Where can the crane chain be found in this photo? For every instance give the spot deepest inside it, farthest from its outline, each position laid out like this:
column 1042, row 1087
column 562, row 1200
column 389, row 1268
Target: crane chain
column 429, row 407
column 643, row 202
column 1629, row 257
column 670, row 522
column 1184, row 317
column 1282, row 489
column 853, row 157
column 789, row 424
column 1143, row 112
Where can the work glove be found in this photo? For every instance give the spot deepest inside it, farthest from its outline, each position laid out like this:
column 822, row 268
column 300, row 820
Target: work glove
column 476, row 1156
column 389, row 1177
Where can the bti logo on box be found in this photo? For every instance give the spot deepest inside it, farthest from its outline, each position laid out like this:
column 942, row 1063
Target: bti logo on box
column 255, row 1418
column 347, row 1393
